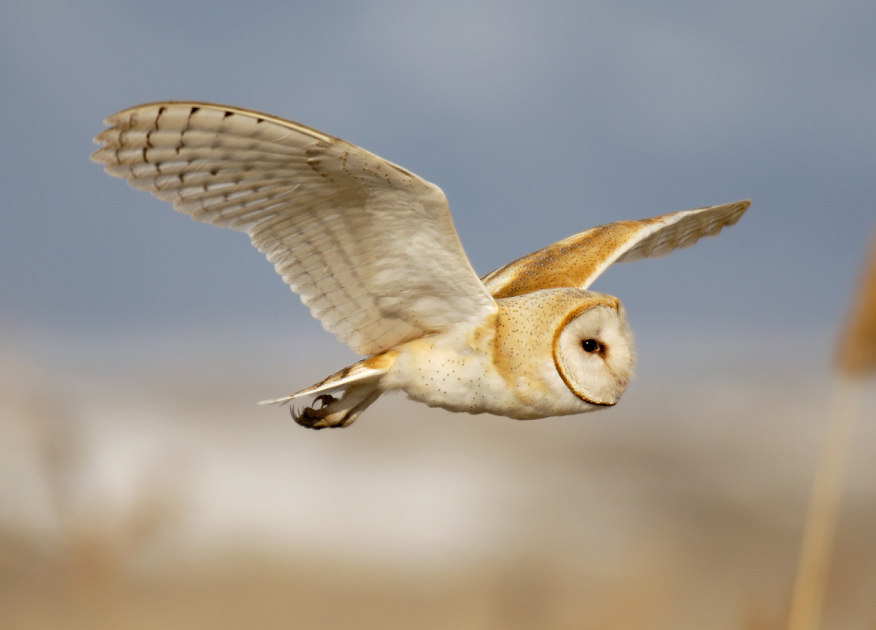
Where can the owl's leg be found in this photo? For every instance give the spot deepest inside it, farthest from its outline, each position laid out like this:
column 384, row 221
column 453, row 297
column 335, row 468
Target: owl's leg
column 335, row 412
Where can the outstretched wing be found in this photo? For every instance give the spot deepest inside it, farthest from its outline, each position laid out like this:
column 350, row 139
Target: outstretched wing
column 369, row 246
column 578, row 260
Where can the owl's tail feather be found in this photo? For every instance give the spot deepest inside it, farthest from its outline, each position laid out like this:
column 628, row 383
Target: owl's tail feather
column 360, row 383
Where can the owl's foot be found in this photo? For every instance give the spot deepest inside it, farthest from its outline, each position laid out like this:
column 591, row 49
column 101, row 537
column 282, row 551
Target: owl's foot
column 335, row 412
column 314, row 417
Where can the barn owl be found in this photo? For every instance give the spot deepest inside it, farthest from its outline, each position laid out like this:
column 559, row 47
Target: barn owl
column 371, row 250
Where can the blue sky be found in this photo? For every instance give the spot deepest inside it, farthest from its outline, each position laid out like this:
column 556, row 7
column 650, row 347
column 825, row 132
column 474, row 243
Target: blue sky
column 537, row 122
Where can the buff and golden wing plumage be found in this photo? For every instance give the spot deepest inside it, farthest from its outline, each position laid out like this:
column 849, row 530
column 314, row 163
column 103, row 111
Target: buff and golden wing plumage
column 369, row 246
column 578, row 260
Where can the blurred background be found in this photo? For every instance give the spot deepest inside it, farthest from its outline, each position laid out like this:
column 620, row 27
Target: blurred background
column 140, row 487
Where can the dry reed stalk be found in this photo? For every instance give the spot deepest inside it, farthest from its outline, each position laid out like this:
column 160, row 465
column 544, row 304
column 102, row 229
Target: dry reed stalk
column 855, row 360
column 857, row 350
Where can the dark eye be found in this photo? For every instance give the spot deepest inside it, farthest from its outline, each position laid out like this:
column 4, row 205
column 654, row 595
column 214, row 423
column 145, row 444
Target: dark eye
column 590, row 345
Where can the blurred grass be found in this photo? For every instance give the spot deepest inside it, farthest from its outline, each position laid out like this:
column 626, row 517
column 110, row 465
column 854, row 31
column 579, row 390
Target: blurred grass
column 856, row 361
column 144, row 498
column 259, row 592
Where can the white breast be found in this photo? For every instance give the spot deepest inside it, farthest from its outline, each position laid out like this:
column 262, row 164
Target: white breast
column 453, row 370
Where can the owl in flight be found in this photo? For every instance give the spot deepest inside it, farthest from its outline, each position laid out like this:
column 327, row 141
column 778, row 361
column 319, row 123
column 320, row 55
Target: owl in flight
column 371, row 250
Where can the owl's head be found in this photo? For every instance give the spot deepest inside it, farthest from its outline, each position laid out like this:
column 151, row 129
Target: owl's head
column 565, row 350
column 593, row 350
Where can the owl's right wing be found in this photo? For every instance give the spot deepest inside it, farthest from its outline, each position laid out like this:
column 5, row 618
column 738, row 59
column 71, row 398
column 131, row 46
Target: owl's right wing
column 369, row 246
column 578, row 260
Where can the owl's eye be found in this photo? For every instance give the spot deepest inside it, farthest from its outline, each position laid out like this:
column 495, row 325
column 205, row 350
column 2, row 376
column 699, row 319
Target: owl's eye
column 590, row 345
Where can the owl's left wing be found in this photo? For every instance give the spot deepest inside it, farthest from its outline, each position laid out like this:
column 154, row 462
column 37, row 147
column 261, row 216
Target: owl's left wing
column 369, row 246
column 578, row 260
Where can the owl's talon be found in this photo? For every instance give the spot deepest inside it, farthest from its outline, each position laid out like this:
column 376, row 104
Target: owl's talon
column 314, row 417
column 324, row 401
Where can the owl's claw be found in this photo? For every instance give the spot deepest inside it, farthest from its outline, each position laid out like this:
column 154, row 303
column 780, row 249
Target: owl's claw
column 324, row 400
column 313, row 417
column 329, row 411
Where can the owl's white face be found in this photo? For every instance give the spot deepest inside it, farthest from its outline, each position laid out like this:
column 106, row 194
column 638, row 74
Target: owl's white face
column 593, row 353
